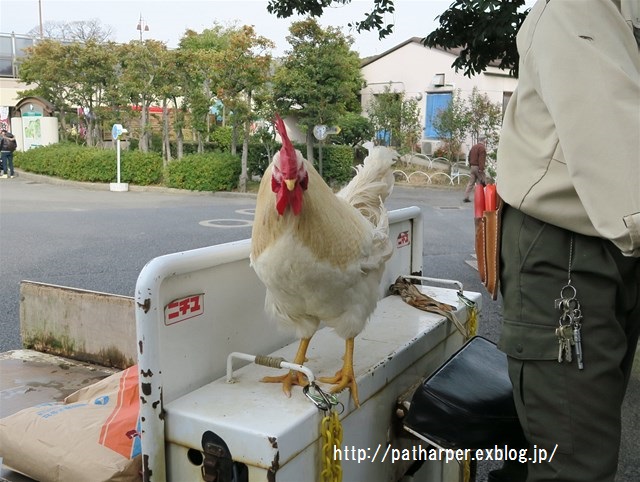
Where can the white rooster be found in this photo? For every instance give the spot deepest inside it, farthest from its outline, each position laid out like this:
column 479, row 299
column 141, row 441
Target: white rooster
column 320, row 255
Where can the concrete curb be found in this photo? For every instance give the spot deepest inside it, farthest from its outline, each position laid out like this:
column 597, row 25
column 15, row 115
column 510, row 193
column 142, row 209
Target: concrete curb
column 97, row 186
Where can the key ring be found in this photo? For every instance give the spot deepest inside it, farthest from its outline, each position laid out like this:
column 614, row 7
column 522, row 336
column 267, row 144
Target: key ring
column 572, row 297
column 466, row 301
column 321, row 399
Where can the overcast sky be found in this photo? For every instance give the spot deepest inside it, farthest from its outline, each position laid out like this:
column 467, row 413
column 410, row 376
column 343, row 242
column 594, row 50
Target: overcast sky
column 168, row 20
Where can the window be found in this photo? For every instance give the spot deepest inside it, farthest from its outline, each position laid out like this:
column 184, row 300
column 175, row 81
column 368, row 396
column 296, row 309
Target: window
column 6, row 47
column 10, row 56
column 6, row 68
column 22, row 44
column 435, row 103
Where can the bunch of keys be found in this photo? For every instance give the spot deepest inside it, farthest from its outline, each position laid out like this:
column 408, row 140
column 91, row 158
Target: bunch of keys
column 569, row 326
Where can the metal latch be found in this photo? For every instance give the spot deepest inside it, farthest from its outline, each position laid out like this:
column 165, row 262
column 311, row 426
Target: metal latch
column 217, row 465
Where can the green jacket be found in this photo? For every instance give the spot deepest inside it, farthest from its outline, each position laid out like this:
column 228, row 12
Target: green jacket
column 569, row 151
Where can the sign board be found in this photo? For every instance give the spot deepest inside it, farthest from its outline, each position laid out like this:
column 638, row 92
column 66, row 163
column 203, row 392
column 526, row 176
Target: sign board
column 403, row 239
column 321, row 131
column 116, row 131
column 32, row 115
column 183, row 309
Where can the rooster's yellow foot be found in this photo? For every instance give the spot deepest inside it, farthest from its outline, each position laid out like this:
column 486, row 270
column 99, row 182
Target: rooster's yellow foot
column 288, row 380
column 342, row 380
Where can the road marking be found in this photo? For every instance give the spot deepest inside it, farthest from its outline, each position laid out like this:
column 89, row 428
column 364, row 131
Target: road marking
column 248, row 211
column 226, row 223
column 231, row 223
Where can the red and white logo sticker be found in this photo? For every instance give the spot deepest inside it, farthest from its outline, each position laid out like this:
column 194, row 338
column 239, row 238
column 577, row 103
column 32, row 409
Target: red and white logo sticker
column 184, row 309
column 403, row 239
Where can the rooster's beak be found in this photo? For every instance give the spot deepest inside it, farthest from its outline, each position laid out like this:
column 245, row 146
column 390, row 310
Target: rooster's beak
column 291, row 183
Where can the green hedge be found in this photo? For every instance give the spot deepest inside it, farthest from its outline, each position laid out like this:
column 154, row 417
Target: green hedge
column 91, row 164
column 204, row 172
column 211, row 171
column 337, row 160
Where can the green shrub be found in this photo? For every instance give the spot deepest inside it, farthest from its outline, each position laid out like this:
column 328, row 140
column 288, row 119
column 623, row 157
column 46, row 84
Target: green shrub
column 354, row 129
column 91, row 164
column 142, row 168
column 204, row 172
column 337, row 163
column 220, row 138
column 258, row 158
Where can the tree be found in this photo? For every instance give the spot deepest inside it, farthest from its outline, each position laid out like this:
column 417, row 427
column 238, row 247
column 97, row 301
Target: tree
column 178, row 94
column 484, row 29
column 92, row 69
column 198, row 53
column 395, row 118
column 169, row 87
column 241, row 68
column 319, row 78
column 484, row 118
column 143, row 65
column 476, row 117
column 76, row 31
column 73, row 74
column 265, row 110
column 451, row 125
column 44, row 68
column 374, row 20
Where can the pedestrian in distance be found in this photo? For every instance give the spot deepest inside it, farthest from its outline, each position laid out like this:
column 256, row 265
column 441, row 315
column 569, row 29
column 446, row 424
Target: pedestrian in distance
column 568, row 170
column 477, row 161
column 7, row 146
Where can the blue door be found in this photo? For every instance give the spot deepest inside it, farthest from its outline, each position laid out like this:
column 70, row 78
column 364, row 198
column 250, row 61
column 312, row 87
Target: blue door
column 435, row 103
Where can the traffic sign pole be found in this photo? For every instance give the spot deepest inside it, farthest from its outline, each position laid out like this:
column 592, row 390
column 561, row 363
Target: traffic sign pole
column 118, row 186
column 321, row 132
column 118, row 157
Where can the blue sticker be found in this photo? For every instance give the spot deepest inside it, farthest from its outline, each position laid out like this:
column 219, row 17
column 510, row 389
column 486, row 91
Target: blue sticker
column 102, row 400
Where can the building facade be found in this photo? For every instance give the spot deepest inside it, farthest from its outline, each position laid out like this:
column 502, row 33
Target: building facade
column 12, row 50
column 426, row 74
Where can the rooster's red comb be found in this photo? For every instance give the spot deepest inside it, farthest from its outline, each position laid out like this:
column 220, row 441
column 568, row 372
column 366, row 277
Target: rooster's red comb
column 288, row 163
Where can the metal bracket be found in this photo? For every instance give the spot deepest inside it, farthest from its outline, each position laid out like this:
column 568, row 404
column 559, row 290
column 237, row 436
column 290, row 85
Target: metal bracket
column 265, row 361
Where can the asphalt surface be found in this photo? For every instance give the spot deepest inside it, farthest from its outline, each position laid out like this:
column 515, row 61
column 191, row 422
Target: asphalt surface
column 84, row 236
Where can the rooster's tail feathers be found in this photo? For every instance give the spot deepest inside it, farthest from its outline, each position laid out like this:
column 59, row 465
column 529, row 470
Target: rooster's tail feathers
column 372, row 184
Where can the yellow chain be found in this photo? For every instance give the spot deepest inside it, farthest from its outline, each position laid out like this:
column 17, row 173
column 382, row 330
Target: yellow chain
column 472, row 324
column 472, row 320
column 331, row 430
column 331, row 427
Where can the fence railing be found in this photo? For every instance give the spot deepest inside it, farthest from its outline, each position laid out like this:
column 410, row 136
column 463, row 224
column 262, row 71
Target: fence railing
column 433, row 171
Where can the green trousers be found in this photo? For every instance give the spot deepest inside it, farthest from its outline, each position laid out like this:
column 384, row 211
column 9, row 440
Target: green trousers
column 574, row 414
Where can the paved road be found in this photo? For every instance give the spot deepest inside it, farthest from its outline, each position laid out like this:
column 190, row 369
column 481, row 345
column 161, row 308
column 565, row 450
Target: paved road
column 84, row 236
column 97, row 239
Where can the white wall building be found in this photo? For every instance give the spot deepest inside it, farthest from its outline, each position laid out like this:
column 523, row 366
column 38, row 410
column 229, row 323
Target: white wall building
column 30, row 119
column 426, row 74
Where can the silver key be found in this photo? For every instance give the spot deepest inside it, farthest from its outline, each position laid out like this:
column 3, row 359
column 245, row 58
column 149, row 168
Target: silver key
column 577, row 342
column 568, row 351
column 561, row 347
column 565, row 337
